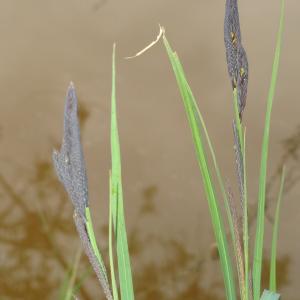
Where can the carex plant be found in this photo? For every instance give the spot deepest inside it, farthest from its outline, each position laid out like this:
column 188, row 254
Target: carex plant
column 249, row 274
column 70, row 168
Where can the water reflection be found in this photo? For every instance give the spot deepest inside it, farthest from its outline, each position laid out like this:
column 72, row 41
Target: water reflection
column 148, row 206
column 35, row 219
column 180, row 273
column 28, row 232
column 282, row 269
column 290, row 159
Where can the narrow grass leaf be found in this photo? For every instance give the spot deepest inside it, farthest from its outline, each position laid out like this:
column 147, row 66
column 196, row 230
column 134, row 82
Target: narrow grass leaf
column 67, row 291
column 259, row 237
column 82, row 278
column 272, row 286
column 230, row 217
column 125, row 277
column 189, row 104
column 226, row 199
column 248, row 288
column 92, row 238
column 86, row 233
column 111, row 254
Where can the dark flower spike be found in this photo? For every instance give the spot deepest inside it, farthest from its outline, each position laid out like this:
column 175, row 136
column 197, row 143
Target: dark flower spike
column 70, row 168
column 237, row 63
column 232, row 36
column 69, row 161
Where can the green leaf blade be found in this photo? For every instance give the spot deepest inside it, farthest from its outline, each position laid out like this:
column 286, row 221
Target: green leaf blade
column 259, row 237
column 217, row 222
column 272, row 286
column 117, row 206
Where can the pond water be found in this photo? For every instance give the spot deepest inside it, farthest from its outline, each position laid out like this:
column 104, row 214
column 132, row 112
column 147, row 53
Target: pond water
column 45, row 45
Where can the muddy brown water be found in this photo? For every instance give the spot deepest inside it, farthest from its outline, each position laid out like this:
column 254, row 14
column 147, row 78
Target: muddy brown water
column 45, row 45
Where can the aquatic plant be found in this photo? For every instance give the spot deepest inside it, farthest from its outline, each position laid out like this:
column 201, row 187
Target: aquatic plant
column 250, row 286
column 70, row 168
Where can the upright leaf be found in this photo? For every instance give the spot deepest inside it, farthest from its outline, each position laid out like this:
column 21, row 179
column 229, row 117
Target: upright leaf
column 275, row 237
column 191, row 111
column 117, row 206
column 259, row 237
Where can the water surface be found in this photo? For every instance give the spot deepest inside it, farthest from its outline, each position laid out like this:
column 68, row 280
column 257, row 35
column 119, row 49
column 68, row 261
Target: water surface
column 45, row 45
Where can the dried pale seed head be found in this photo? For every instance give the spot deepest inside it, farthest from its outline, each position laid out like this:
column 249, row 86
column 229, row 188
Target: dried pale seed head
column 69, row 161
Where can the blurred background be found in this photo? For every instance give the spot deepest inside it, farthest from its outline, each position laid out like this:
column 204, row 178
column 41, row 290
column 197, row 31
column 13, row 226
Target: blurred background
column 45, row 45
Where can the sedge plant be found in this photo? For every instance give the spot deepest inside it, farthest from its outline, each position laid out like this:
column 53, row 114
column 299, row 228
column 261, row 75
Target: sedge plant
column 249, row 278
column 70, row 168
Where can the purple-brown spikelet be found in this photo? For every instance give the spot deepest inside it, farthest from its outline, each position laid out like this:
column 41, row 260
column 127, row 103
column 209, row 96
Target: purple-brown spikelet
column 69, row 161
column 237, row 63
column 70, row 168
